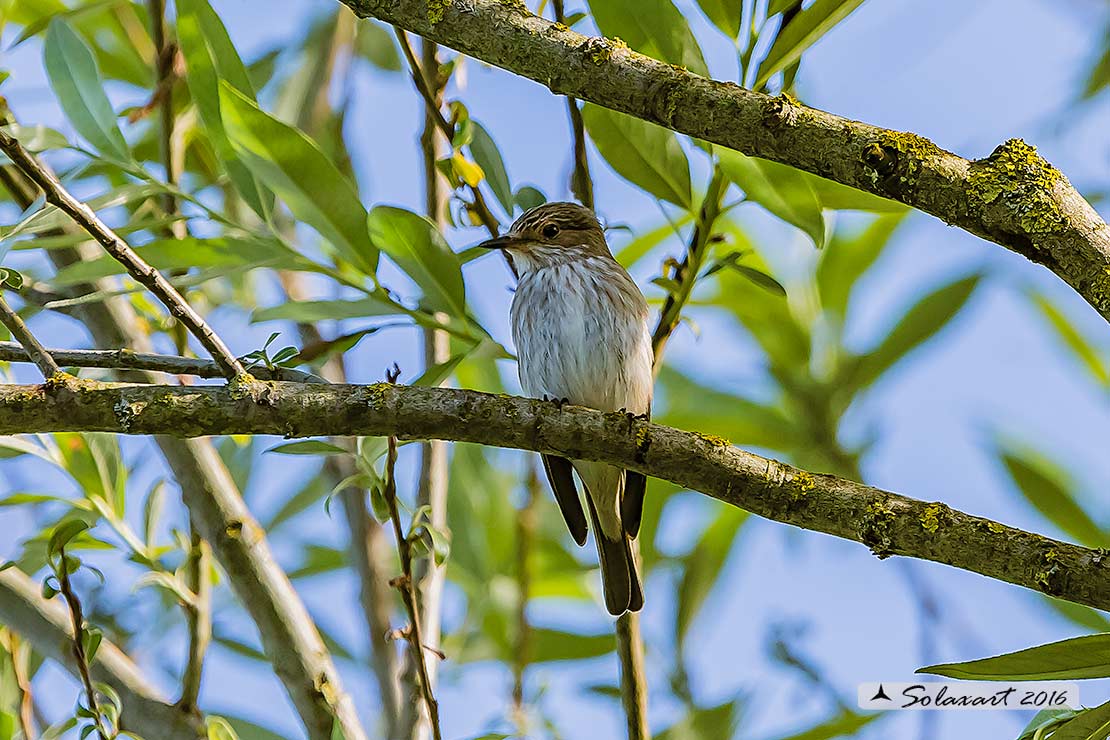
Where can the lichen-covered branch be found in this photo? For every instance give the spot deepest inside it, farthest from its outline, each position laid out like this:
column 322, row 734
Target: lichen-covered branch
column 46, row 625
column 888, row 523
column 1013, row 197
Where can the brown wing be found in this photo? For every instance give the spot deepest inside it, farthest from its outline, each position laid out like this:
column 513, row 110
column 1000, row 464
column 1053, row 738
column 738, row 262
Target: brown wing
column 632, row 506
column 561, row 477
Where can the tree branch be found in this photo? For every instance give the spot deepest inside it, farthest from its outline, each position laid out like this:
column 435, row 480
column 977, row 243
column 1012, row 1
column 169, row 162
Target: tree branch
column 45, row 624
column 1014, row 197
column 888, row 523
column 32, row 350
column 137, row 267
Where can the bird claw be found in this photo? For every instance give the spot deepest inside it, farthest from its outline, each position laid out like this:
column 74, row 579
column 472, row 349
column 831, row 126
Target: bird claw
column 559, row 402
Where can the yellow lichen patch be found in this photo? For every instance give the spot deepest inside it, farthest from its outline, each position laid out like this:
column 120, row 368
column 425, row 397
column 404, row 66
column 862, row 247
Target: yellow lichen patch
column 803, row 482
column 1016, row 174
column 375, row 394
column 930, row 518
column 911, row 152
column 713, row 440
column 602, row 49
column 436, row 10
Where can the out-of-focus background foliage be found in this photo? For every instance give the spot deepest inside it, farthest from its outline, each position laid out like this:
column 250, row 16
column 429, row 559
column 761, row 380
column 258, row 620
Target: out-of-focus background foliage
column 904, row 353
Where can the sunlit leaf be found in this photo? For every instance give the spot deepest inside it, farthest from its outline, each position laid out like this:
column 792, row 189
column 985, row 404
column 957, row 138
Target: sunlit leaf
column 1083, row 350
column 646, row 155
column 488, row 157
column 76, row 81
column 1066, row 660
column 725, row 14
column 802, row 32
column 782, row 190
column 705, row 723
column 653, row 27
column 293, row 166
column 308, row 447
column 376, row 45
column 313, row 311
column 845, row 724
column 416, row 245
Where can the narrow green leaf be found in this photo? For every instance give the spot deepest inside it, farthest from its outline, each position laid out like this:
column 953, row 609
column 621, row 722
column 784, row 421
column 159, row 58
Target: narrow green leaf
column 653, row 27
column 210, row 56
column 1099, row 78
column 646, row 155
column 220, row 729
column 295, row 168
column 845, row 724
column 782, row 190
column 921, row 322
column 1091, row 724
column 836, row 197
column 802, row 32
column 551, row 645
column 725, row 15
column 1043, row 720
column 1049, row 489
column 1083, row 350
column 74, row 76
column 416, row 245
column 760, row 278
column 844, row 261
column 65, row 532
column 488, row 157
column 313, row 311
column 376, row 45
column 7, row 726
column 1067, row 660
column 705, row 723
column 308, row 447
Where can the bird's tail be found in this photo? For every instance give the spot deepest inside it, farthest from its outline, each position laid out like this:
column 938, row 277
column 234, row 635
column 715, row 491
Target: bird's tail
column 620, row 578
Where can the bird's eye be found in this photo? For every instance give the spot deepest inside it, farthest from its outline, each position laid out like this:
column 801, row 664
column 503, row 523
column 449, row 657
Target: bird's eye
column 550, row 231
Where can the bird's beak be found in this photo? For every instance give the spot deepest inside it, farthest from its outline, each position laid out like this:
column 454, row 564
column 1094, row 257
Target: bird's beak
column 501, row 242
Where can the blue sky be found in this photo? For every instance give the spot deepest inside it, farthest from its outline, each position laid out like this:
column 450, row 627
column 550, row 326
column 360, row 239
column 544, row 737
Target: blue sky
column 968, row 76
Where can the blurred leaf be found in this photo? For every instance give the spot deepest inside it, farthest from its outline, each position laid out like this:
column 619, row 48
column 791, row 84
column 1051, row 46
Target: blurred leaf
column 1072, row 339
column 705, row 723
column 923, row 320
column 1084, row 616
column 703, row 565
column 527, row 197
column 782, row 190
column 210, row 56
column 645, row 241
column 76, row 81
column 319, row 559
column 316, row 488
column 293, row 166
column 1099, row 78
column 846, row 259
column 802, row 32
column 646, row 155
column 37, row 138
column 488, row 157
column 1067, row 660
column 843, row 725
column 309, row 312
column 551, row 645
column 415, row 244
column 836, row 197
column 220, row 729
column 725, row 14
column 309, row 447
column 376, row 45
column 653, row 27
column 1048, row 488
column 1090, row 724
column 1045, row 718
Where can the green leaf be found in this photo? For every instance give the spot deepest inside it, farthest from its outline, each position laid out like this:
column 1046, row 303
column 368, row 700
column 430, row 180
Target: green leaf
column 295, row 168
column 703, row 564
column 7, row 726
column 488, row 157
column 782, row 190
column 220, row 729
column 1091, row 724
column 309, row 447
column 247, row 730
column 927, row 317
column 312, row 311
column 802, row 32
column 646, row 155
column 759, row 278
column 1099, row 78
column 705, row 723
column 74, row 76
column 1084, row 616
column 653, row 27
column 63, row 533
column 844, row 261
column 846, row 724
column 1047, row 487
column 1043, row 720
column 376, row 45
column 210, row 56
column 836, row 197
column 527, row 197
column 725, row 14
column 551, row 645
column 1083, row 350
column 416, row 245
column 1067, row 660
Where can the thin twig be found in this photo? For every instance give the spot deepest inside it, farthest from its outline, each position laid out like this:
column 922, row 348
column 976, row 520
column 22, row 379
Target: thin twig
column 405, row 582
column 76, row 616
column 581, row 184
column 686, row 274
column 445, row 126
column 198, row 616
column 179, row 308
column 18, row 652
column 31, row 347
column 125, row 359
column 525, row 541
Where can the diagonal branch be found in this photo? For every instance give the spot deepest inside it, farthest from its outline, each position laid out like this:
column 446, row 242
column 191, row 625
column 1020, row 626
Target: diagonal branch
column 46, row 625
column 32, row 350
column 137, row 267
column 888, row 523
column 1013, row 197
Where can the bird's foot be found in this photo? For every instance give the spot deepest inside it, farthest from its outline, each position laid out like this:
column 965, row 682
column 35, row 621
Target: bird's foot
column 559, row 402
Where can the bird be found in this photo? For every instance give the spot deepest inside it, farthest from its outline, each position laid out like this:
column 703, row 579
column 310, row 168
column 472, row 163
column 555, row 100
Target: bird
column 580, row 325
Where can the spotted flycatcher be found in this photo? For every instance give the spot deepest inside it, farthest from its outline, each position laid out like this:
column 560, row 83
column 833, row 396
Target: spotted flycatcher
column 580, row 327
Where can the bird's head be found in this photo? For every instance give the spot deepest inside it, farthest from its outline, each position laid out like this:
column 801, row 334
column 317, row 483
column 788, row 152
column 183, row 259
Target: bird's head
column 552, row 234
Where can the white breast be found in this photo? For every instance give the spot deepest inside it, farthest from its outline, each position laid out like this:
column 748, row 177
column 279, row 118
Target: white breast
column 581, row 333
